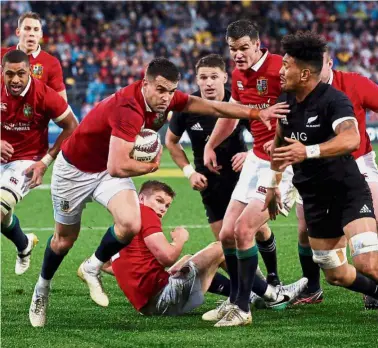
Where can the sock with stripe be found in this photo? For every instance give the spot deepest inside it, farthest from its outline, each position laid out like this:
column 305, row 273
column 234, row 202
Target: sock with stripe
column 14, row 233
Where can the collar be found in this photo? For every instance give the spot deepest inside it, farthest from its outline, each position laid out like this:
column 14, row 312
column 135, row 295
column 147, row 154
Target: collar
column 148, row 109
column 261, row 61
column 330, row 78
column 35, row 53
column 24, row 91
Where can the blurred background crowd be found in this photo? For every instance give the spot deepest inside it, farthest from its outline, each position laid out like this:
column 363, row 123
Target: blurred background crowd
column 104, row 46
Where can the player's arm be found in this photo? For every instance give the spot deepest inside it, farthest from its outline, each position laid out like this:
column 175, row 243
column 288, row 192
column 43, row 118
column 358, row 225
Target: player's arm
column 63, row 94
column 368, row 91
column 55, row 80
column 122, row 165
column 167, row 253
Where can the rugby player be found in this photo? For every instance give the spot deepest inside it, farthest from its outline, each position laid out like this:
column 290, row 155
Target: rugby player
column 255, row 83
column 27, row 105
column 43, row 65
column 96, row 162
column 317, row 138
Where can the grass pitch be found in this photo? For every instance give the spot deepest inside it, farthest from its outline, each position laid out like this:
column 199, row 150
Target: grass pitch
column 75, row 321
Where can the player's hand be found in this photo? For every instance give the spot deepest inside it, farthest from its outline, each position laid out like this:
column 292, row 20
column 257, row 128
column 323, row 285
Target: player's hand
column 279, row 110
column 290, row 154
column 210, row 160
column 238, row 161
column 6, row 151
column 273, row 202
column 180, row 234
column 156, row 160
column 36, row 171
column 198, row 181
column 268, row 147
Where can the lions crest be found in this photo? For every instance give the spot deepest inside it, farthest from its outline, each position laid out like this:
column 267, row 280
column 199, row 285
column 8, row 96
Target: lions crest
column 37, row 70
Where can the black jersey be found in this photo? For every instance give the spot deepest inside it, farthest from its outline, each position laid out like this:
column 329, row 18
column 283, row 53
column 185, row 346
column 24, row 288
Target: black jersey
column 199, row 128
column 313, row 121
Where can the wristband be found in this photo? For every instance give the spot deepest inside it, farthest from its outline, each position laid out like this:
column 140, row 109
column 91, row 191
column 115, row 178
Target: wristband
column 313, row 151
column 188, row 170
column 47, row 159
column 273, row 179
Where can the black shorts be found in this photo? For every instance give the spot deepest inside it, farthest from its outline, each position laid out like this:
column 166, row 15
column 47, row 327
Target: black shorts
column 327, row 215
column 218, row 194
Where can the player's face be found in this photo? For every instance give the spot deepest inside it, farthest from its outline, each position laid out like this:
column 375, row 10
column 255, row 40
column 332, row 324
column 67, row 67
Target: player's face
column 290, row 74
column 16, row 76
column 325, row 74
column 30, row 34
column 159, row 201
column 159, row 93
column 244, row 51
column 211, row 82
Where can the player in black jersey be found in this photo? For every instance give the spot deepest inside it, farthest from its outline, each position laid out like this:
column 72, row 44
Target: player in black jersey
column 317, row 138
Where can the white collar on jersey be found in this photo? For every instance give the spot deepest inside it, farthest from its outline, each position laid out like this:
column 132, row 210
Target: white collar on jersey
column 35, row 53
column 24, row 91
column 148, row 109
column 330, row 78
column 260, row 62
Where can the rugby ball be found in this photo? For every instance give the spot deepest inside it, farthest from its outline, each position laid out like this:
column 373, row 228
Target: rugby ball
column 147, row 145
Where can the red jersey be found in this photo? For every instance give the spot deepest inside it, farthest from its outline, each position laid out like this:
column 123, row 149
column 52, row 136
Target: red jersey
column 44, row 67
column 123, row 115
column 258, row 88
column 24, row 119
column 139, row 274
column 363, row 94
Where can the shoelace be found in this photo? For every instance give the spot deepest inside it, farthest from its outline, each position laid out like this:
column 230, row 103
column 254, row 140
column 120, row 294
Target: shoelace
column 39, row 304
column 233, row 313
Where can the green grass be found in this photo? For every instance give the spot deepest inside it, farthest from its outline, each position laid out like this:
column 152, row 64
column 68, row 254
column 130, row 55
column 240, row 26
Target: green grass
column 75, row 321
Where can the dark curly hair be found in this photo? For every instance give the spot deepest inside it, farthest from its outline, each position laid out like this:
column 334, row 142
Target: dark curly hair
column 305, row 47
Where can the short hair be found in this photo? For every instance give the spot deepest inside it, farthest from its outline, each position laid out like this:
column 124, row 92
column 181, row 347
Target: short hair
column 211, row 61
column 151, row 186
column 15, row 56
column 161, row 66
column 242, row 27
column 33, row 15
column 306, row 47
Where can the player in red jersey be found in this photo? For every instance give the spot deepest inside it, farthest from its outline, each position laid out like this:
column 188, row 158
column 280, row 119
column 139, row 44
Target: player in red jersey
column 364, row 95
column 44, row 66
column 27, row 105
column 255, row 83
column 95, row 162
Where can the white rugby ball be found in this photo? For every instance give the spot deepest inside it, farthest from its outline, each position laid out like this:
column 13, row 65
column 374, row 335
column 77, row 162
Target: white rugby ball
column 147, row 146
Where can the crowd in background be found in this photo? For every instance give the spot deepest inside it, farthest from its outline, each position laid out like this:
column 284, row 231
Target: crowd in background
column 104, row 46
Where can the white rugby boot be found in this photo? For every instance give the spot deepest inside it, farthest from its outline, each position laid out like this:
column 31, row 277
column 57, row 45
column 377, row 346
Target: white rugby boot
column 23, row 258
column 94, row 283
column 219, row 312
column 38, row 306
column 286, row 294
column 235, row 317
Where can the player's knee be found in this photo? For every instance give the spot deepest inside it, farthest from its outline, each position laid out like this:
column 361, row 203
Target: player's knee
column 330, row 261
column 368, row 265
column 9, row 199
column 243, row 231
column 127, row 226
column 62, row 244
column 263, row 233
column 336, row 278
column 226, row 236
column 303, row 237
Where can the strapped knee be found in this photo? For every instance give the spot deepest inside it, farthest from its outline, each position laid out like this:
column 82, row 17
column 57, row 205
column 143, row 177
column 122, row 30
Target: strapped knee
column 363, row 243
column 328, row 259
column 9, row 199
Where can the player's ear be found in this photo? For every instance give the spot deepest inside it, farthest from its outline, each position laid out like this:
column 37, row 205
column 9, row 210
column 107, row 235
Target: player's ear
column 305, row 74
column 225, row 77
column 141, row 198
column 330, row 63
column 258, row 45
column 18, row 32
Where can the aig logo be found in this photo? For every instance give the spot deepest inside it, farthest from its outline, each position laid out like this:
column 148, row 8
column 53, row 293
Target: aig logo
column 300, row 136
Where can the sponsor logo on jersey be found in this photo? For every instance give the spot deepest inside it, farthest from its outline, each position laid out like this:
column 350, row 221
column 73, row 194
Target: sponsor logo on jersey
column 313, row 122
column 197, row 127
column 262, row 85
column 37, row 70
column 365, row 209
column 284, row 120
column 240, row 85
column 300, row 136
column 18, row 126
column 159, row 120
column 28, row 111
column 13, row 180
column 262, row 190
column 3, row 107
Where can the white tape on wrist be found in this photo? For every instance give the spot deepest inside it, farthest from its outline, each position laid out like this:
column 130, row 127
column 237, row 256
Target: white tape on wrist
column 313, row 151
column 47, row 159
column 188, row 170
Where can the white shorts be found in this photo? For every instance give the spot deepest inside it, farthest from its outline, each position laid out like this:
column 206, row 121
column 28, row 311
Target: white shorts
column 13, row 179
column 251, row 183
column 367, row 166
column 71, row 189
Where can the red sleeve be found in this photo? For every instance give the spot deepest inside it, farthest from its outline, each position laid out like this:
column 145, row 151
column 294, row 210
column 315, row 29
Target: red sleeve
column 126, row 122
column 55, row 80
column 55, row 106
column 368, row 91
column 150, row 222
column 179, row 101
column 234, row 89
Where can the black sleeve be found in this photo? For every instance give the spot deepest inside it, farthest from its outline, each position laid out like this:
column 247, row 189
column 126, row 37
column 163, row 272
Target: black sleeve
column 177, row 123
column 282, row 98
column 340, row 107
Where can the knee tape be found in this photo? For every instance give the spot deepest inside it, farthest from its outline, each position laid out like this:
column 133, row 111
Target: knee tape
column 328, row 259
column 363, row 243
column 9, row 199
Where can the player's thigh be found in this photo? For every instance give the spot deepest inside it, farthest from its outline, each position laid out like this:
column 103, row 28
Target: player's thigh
column 234, row 210
column 374, row 194
column 120, row 198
